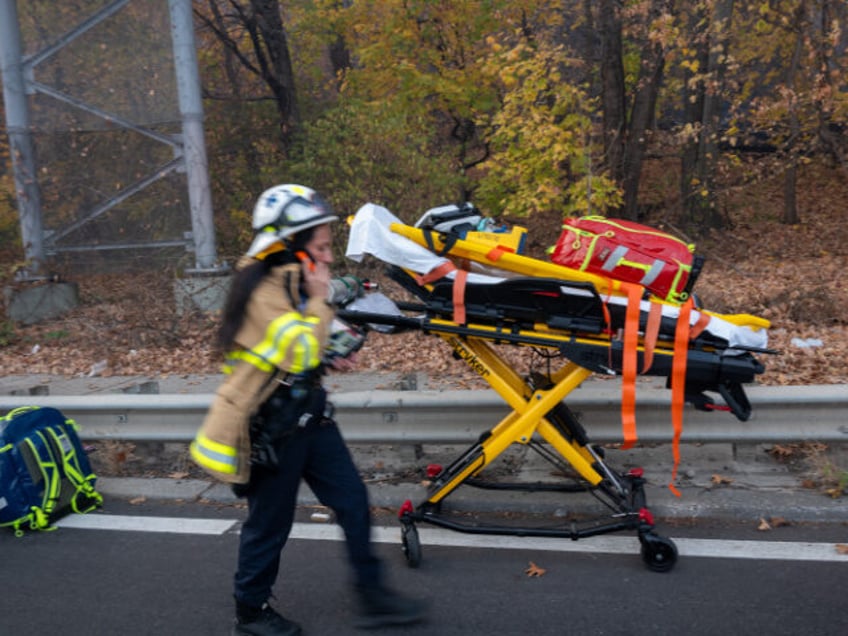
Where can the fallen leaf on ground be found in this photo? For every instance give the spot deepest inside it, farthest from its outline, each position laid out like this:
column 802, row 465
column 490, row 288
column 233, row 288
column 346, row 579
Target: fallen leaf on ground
column 178, row 475
column 138, row 500
column 535, row 570
column 779, row 522
column 764, row 525
column 842, row 548
column 782, row 451
column 718, row 479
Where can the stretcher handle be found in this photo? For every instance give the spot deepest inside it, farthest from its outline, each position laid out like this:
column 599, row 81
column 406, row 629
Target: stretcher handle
column 370, row 317
column 735, row 397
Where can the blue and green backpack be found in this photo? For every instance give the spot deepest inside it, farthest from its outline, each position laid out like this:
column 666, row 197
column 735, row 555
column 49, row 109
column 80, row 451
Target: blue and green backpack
column 44, row 470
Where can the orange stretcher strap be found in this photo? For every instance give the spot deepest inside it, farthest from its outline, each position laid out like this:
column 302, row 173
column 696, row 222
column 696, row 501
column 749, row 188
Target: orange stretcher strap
column 629, row 365
column 699, row 326
column 440, row 271
column 652, row 331
column 607, row 317
column 497, row 251
column 678, row 385
column 459, row 296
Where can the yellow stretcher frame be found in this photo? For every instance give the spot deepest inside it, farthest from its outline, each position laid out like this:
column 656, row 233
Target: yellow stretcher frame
column 538, row 411
column 529, row 404
column 531, row 419
column 529, row 408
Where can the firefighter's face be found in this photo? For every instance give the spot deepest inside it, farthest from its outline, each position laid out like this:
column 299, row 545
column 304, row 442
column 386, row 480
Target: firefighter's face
column 320, row 246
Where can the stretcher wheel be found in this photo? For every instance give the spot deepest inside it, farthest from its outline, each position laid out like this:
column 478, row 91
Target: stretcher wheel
column 411, row 545
column 658, row 553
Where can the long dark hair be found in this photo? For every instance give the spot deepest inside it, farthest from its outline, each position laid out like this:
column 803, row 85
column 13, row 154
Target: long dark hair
column 245, row 282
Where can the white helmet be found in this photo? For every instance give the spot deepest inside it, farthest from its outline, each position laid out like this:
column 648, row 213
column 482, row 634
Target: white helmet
column 285, row 210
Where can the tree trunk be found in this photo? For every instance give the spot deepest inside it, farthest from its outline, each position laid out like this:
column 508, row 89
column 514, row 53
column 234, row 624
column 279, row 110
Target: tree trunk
column 275, row 62
column 612, row 89
column 699, row 157
column 268, row 56
column 790, row 205
column 625, row 139
column 339, row 52
column 790, row 175
column 828, row 139
column 644, row 103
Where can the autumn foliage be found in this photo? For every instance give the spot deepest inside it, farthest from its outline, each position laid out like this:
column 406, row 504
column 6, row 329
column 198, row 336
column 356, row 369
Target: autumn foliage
column 723, row 123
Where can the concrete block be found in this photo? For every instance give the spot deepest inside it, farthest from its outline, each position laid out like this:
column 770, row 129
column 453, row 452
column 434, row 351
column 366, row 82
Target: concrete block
column 150, row 387
column 206, row 294
column 33, row 303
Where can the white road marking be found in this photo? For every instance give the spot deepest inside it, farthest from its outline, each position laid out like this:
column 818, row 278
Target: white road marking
column 176, row 525
column 429, row 536
column 711, row 548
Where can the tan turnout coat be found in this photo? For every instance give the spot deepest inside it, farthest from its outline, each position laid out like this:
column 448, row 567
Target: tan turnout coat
column 225, row 429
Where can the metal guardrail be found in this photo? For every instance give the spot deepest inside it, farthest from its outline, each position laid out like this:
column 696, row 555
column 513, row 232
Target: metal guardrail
column 780, row 414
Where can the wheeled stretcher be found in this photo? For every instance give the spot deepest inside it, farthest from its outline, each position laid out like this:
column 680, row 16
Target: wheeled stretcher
column 478, row 298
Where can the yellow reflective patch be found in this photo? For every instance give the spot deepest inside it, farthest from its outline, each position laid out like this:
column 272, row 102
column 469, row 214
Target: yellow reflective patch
column 290, row 343
column 216, row 447
column 291, row 335
column 214, row 455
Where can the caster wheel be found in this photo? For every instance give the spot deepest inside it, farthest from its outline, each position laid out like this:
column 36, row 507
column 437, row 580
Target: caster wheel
column 658, row 553
column 411, row 545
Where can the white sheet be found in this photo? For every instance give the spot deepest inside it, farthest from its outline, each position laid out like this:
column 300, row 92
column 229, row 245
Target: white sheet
column 370, row 233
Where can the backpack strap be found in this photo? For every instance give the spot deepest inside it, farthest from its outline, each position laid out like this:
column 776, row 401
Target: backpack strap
column 35, row 517
column 39, row 516
column 86, row 498
column 37, row 520
column 18, row 411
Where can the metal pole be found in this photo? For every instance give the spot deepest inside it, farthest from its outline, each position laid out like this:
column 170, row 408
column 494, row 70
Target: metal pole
column 20, row 139
column 191, row 112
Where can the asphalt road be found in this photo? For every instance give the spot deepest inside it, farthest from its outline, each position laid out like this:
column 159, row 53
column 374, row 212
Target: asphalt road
column 166, row 577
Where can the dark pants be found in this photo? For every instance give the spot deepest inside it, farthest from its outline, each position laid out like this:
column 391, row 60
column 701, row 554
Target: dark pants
column 318, row 454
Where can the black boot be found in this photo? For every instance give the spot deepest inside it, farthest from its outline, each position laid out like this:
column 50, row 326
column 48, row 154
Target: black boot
column 380, row 606
column 262, row 621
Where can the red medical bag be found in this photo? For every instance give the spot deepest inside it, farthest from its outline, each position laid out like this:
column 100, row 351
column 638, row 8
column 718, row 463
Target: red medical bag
column 627, row 251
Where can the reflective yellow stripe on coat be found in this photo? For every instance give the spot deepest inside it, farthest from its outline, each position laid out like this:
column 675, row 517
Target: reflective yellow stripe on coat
column 290, row 343
column 214, row 456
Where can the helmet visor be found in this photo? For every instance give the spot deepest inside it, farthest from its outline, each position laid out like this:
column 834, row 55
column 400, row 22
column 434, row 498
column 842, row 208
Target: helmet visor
column 300, row 213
